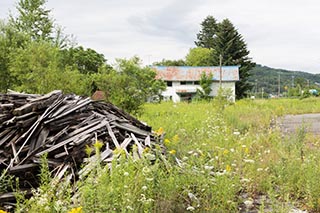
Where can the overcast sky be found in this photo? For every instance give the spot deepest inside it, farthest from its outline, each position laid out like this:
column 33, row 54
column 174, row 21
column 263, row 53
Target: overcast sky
column 279, row 33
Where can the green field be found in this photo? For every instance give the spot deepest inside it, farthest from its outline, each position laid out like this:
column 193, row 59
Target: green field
column 219, row 158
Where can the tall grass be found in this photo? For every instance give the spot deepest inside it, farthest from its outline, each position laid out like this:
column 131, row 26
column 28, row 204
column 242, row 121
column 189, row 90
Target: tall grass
column 219, row 159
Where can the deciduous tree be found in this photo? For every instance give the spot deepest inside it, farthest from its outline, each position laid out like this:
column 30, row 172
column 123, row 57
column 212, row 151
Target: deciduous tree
column 37, row 68
column 129, row 85
column 199, row 56
column 33, row 19
column 166, row 62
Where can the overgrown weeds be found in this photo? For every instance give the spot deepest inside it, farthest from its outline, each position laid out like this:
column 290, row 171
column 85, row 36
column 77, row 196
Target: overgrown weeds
column 217, row 161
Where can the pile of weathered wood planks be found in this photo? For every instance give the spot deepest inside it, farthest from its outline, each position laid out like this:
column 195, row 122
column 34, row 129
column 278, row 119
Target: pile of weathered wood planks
column 61, row 126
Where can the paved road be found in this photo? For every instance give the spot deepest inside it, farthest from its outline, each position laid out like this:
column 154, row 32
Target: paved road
column 291, row 123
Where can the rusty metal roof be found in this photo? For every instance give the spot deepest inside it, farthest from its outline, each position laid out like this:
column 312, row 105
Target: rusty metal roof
column 188, row 73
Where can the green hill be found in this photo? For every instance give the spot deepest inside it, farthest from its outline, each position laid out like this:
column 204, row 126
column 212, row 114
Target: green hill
column 268, row 79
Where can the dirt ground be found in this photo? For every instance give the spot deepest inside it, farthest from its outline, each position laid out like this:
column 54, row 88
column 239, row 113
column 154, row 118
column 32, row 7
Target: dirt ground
column 292, row 123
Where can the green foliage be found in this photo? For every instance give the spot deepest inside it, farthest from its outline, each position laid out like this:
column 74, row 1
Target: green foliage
column 233, row 49
column 166, row 62
column 266, row 77
column 52, row 196
column 205, row 83
column 130, row 85
column 199, row 56
column 226, row 158
column 207, row 34
column 87, row 61
column 33, row 19
column 38, row 69
column 10, row 40
column 226, row 41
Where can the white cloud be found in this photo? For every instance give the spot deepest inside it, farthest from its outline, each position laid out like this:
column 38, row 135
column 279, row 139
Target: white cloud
column 282, row 34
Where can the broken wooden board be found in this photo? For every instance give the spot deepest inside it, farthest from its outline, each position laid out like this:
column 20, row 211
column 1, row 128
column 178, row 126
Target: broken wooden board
column 60, row 127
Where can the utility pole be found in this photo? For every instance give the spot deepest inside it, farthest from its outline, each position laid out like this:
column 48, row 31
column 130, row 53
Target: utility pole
column 256, row 87
column 220, row 65
column 262, row 91
column 292, row 83
column 279, row 86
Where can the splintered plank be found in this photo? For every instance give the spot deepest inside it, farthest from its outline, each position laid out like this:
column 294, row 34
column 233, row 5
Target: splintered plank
column 113, row 137
column 24, row 167
column 74, row 138
column 8, row 137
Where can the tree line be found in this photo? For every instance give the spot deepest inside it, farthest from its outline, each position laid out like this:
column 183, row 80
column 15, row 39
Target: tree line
column 219, row 41
column 36, row 56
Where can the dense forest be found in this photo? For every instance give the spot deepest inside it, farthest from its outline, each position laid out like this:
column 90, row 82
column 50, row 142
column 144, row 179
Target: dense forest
column 267, row 79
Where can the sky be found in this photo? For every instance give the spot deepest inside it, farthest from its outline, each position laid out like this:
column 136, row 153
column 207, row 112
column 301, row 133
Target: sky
column 279, row 33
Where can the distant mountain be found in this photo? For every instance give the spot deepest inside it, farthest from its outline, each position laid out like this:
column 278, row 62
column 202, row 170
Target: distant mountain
column 267, row 78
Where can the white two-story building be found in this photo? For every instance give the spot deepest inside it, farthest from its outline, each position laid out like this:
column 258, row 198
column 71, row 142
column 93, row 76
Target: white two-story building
column 183, row 81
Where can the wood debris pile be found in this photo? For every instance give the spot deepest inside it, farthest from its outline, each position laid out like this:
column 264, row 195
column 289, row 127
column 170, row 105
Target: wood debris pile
column 61, row 126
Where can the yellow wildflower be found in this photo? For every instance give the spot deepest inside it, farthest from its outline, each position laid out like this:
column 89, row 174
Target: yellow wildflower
column 1, row 211
column 75, row 210
column 175, row 138
column 172, row 152
column 228, row 168
column 146, row 150
column 225, row 152
column 166, row 142
column 160, row 131
column 246, row 150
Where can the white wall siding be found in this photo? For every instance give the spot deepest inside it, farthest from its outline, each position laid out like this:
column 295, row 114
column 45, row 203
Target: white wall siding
column 225, row 85
column 172, row 92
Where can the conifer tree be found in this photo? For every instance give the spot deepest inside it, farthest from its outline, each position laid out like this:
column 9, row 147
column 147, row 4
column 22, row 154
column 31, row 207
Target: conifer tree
column 205, row 38
column 224, row 39
column 230, row 44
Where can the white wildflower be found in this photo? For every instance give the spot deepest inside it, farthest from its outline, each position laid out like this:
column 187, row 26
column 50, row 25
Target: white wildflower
column 126, row 174
column 236, row 133
column 185, row 158
column 190, row 208
column 245, row 180
column 221, row 173
column 248, row 160
column 208, row 167
column 146, row 170
column 232, row 150
column 259, row 169
column 130, row 208
column 149, row 179
column 248, row 203
column 144, row 188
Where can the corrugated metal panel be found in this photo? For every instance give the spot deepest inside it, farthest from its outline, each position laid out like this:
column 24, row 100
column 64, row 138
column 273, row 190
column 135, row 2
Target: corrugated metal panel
column 187, row 73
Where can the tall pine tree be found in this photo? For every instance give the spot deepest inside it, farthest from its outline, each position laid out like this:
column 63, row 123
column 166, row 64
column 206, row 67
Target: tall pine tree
column 230, row 44
column 207, row 33
column 227, row 42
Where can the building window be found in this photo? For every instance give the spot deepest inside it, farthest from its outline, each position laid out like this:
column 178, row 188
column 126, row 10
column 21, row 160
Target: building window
column 197, row 83
column 169, row 83
column 183, row 83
